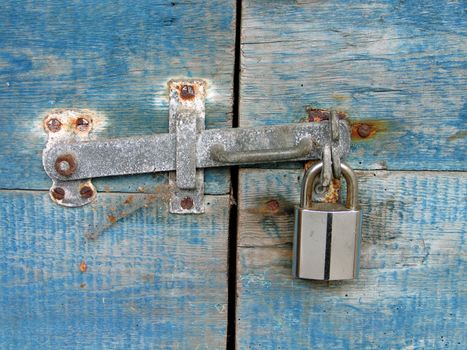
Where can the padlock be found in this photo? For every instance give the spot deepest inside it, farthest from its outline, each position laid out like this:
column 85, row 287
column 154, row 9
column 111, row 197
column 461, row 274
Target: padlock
column 327, row 235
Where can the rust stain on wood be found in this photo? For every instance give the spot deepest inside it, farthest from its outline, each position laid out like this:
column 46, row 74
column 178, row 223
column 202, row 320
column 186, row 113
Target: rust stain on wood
column 83, row 267
column 130, row 205
column 271, row 207
column 458, row 135
column 129, row 200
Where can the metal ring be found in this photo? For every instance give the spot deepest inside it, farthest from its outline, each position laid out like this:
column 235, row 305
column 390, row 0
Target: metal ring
column 335, row 159
column 336, row 163
column 334, row 125
column 310, row 175
column 326, row 174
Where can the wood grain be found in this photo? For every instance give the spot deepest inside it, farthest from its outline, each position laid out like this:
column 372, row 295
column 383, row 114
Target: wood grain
column 113, row 57
column 122, row 273
column 397, row 66
column 150, row 280
column 411, row 292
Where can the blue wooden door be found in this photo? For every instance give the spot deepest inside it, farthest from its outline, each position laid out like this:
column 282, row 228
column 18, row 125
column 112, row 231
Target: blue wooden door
column 397, row 70
column 150, row 279
column 153, row 280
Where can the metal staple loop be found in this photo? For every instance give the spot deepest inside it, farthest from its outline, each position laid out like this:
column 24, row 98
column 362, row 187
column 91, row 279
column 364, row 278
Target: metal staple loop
column 335, row 159
column 219, row 154
column 326, row 174
column 334, row 125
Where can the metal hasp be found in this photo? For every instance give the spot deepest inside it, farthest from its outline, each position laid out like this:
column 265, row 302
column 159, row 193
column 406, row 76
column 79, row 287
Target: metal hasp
column 71, row 158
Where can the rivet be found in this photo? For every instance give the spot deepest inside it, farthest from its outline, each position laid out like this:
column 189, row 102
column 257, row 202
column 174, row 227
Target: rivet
column 58, row 193
column 86, row 192
column 186, row 203
column 82, row 124
column 54, row 125
column 187, row 92
column 364, row 130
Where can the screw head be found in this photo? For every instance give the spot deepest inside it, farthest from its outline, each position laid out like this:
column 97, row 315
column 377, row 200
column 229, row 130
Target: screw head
column 186, row 203
column 65, row 165
column 58, row 193
column 187, row 92
column 364, row 130
column 82, row 124
column 86, row 192
column 54, row 125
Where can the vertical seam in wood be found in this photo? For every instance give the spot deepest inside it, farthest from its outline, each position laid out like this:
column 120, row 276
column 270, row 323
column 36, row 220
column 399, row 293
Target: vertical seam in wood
column 233, row 227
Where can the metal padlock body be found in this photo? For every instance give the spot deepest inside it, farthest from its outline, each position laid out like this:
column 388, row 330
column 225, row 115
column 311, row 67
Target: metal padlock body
column 327, row 236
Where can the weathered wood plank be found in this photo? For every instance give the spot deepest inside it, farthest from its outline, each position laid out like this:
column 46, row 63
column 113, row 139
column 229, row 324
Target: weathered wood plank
column 411, row 292
column 114, row 57
column 398, row 66
column 151, row 280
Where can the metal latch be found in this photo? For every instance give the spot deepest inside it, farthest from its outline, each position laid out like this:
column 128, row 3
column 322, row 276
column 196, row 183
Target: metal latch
column 71, row 159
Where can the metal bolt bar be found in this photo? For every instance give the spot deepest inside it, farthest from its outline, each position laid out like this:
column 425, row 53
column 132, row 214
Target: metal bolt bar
column 154, row 153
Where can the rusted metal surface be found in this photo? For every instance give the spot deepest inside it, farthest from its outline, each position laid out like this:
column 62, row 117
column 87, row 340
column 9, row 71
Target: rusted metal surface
column 58, row 193
column 187, row 91
column 53, row 125
column 367, row 129
column 186, row 203
column 86, row 192
column 320, row 114
column 186, row 122
column 83, row 124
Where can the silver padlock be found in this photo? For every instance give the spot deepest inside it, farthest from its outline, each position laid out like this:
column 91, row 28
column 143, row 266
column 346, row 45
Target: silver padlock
column 327, row 235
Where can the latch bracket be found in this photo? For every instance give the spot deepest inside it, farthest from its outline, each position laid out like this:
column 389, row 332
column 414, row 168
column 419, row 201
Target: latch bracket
column 71, row 158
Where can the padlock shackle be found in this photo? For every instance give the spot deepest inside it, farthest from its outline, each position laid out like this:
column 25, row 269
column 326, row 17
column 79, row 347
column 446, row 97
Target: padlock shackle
column 314, row 171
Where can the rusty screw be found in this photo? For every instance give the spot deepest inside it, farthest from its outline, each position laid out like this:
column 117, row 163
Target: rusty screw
column 273, row 205
column 364, row 130
column 65, row 165
column 82, row 124
column 58, row 193
column 186, row 203
column 86, row 192
column 187, row 92
column 54, row 125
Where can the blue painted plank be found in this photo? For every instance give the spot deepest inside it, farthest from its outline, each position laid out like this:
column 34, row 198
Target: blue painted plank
column 398, row 66
column 411, row 293
column 150, row 280
column 113, row 57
